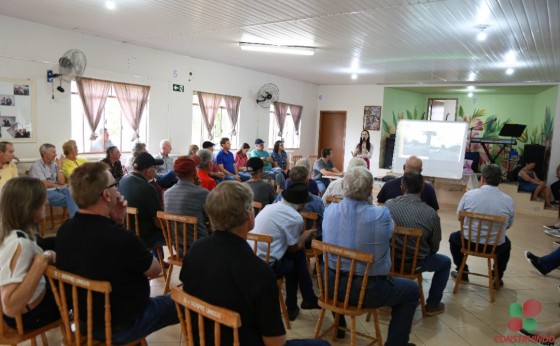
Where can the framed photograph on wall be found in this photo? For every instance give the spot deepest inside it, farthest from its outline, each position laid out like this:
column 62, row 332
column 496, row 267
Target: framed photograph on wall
column 18, row 120
column 372, row 118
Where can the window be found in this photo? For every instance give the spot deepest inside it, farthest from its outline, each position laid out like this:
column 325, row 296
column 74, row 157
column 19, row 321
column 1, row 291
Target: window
column 222, row 126
column 112, row 119
column 291, row 140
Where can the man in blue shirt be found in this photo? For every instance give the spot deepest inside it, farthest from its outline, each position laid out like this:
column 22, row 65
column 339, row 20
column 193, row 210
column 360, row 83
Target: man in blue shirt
column 226, row 163
column 356, row 224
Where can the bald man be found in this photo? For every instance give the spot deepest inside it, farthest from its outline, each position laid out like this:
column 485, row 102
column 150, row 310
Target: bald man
column 392, row 189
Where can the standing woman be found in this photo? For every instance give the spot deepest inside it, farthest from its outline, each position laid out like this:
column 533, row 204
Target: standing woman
column 24, row 290
column 241, row 157
column 363, row 149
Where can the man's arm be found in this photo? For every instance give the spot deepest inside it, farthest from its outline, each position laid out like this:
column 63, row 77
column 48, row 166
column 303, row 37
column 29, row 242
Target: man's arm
column 154, row 269
column 301, row 241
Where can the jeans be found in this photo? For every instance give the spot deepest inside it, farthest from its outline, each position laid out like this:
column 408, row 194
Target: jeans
column 502, row 252
column 293, row 266
column 166, row 180
column 159, row 313
column 243, row 176
column 440, row 265
column 276, row 174
column 322, row 184
column 402, row 295
column 551, row 261
column 61, row 197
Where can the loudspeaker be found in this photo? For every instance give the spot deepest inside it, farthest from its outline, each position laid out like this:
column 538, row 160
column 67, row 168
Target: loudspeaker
column 389, row 149
column 535, row 153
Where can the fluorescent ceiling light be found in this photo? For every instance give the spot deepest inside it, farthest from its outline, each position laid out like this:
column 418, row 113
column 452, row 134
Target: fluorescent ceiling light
column 260, row 47
column 470, row 94
column 481, row 36
column 110, row 4
column 470, row 88
column 510, row 71
column 354, row 76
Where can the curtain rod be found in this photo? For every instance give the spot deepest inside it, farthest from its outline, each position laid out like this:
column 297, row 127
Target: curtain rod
column 195, row 92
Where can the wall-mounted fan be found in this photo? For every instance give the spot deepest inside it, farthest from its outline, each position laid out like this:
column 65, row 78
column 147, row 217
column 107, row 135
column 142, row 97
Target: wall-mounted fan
column 71, row 66
column 267, row 94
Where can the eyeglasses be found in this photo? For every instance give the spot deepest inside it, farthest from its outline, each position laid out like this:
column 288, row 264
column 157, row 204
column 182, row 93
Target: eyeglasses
column 108, row 187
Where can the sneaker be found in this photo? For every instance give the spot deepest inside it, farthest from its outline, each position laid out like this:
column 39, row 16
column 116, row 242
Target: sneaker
column 529, row 255
column 435, row 310
column 556, row 243
column 310, row 304
column 293, row 314
column 534, row 260
column 552, row 232
column 464, row 278
column 556, row 226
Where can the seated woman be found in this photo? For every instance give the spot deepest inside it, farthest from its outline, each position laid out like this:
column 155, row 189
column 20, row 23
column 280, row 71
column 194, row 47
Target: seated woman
column 24, row 289
column 280, row 157
column 241, row 158
column 70, row 160
column 530, row 182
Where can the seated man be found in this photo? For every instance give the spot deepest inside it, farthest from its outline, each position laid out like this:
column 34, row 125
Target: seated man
column 8, row 169
column 113, row 159
column 263, row 192
column 356, row 224
column 324, row 167
column 47, row 169
column 392, row 188
column 246, row 285
column 187, row 197
column 95, row 244
column 165, row 176
column 204, row 169
column 335, row 188
column 409, row 211
column 287, row 255
column 215, row 172
column 226, row 162
column 487, row 199
column 139, row 193
column 269, row 171
column 136, row 150
column 311, row 184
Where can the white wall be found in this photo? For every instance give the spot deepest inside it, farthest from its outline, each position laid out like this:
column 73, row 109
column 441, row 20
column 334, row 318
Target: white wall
column 30, row 49
column 555, row 149
column 352, row 99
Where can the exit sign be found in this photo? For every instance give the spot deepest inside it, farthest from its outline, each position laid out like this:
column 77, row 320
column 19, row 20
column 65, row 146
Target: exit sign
column 179, row 88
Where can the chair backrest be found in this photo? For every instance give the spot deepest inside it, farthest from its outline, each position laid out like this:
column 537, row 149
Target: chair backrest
column 176, row 230
column 132, row 213
column 334, row 199
column 478, row 232
column 257, row 206
column 80, row 289
column 309, row 219
column 338, row 253
column 186, row 304
column 403, row 260
column 312, row 160
column 261, row 238
column 295, row 159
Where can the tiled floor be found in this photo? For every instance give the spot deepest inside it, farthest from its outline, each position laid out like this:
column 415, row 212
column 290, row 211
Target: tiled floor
column 470, row 319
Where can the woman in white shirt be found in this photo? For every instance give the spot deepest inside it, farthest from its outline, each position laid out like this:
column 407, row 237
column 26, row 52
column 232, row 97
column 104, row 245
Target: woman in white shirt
column 23, row 288
column 364, row 148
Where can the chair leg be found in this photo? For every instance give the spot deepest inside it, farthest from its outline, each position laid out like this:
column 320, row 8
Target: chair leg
column 167, row 280
column 44, row 340
column 283, row 307
column 52, row 216
column 460, row 274
column 490, row 280
column 159, row 251
column 352, row 330
column 368, row 317
column 422, row 299
column 335, row 326
column 319, row 324
column 376, row 325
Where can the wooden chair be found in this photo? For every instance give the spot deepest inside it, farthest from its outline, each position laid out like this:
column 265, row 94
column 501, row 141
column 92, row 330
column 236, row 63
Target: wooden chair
column 52, row 217
column 186, row 304
column 132, row 213
column 341, row 305
column 266, row 239
column 309, row 222
column 334, row 199
column 295, row 159
column 10, row 336
column 312, row 159
column 257, row 206
column 172, row 225
column 481, row 247
column 62, row 283
column 410, row 238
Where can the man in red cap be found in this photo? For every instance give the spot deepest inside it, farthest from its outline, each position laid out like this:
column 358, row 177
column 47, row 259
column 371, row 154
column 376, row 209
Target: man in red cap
column 187, row 197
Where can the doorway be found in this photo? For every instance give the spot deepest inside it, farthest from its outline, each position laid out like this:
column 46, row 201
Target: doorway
column 332, row 134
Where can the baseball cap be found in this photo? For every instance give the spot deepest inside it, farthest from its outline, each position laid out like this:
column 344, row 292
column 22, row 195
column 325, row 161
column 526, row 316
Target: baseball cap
column 146, row 160
column 207, row 145
column 186, row 165
column 297, row 194
column 254, row 164
column 259, row 141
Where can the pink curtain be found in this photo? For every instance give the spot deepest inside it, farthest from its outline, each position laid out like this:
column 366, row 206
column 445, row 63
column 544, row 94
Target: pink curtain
column 296, row 116
column 232, row 107
column 93, row 93
column 280, row 112
column 133, row 99
column 209, row 105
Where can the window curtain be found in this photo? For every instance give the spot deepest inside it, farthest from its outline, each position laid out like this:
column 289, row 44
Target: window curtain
column 280, row 112
column 209, row 105
column 133, row 99
column 296, row 116
column 93, row 93
column 232, row 107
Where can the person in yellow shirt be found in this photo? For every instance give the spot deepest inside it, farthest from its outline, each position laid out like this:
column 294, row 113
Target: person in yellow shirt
column 8, row 169
column 71, row 160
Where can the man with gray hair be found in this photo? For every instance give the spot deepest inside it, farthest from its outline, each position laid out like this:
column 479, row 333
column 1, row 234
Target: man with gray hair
column 48, row 170
column 356, row 224
column 487, row 199
column 137, row 148
column 165, row 176
column 240, row 281
column 335, row 188
column 204, row 169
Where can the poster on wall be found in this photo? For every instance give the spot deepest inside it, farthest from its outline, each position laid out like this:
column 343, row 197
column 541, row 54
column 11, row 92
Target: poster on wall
column 372, row 118
column 17, row 110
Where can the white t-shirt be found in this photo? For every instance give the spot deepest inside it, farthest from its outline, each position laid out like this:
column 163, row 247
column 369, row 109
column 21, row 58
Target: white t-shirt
column 283, row 223
column 29, row 249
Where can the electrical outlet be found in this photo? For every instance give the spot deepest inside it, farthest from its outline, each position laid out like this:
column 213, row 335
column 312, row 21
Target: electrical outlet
column 49, row 76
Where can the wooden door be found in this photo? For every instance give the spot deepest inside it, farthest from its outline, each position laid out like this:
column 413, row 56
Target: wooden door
column 332, row 133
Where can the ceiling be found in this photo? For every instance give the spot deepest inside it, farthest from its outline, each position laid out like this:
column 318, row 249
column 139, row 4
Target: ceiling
column 384, row 42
